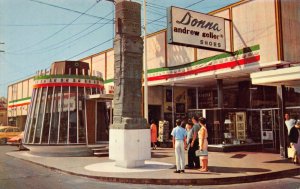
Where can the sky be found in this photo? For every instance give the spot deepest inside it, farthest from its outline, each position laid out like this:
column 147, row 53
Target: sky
column 36, row 33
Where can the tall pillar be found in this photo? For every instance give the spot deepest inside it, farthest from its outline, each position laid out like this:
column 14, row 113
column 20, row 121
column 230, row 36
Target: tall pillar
column 129, row 136
column 220, row 93
column 219, row 112
column 282, row 127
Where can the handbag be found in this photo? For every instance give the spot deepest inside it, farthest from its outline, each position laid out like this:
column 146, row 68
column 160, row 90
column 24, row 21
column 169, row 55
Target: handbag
column 201, row 153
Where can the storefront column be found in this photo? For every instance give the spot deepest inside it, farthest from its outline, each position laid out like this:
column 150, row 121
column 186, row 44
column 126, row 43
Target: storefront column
column 220, row 93
column 282, row 130
column 219, row 113
column 197, row 98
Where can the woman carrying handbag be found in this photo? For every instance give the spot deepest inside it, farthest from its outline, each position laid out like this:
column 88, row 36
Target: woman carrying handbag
column 203, row 145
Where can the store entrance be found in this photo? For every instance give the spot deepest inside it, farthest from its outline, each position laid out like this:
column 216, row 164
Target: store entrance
column 270, row 130
column 102, row 122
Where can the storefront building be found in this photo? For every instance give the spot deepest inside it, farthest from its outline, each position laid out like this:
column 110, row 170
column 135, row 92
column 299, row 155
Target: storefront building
column 3, row 111
column 185, row 81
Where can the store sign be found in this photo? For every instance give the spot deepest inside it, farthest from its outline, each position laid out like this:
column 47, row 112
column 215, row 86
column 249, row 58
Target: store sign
column 195, row 29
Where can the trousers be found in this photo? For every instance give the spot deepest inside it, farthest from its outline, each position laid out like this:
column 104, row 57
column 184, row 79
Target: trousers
column 179, row 155
column 193, row 160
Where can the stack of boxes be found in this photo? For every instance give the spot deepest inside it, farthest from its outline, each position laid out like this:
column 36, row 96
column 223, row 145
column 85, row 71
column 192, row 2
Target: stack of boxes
column 163, row 131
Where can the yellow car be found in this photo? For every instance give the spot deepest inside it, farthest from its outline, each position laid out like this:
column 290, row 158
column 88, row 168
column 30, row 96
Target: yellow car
column 7, row 132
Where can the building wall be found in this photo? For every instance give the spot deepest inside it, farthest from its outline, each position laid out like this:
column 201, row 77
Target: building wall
column 155, row 95
column 3, row 117
column 254, row 23
column 19, row 95
column 156, row 50
column 290, row 11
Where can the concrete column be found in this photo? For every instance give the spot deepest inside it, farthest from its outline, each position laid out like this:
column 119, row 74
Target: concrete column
column 220, row 93
column 219, row 113
column 282, row 128
column 129, row 136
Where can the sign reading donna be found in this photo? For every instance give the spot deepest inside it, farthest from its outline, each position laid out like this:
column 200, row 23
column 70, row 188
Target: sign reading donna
column 195, row 29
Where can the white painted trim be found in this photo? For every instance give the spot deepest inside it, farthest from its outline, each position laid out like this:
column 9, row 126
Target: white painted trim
column 271, row 77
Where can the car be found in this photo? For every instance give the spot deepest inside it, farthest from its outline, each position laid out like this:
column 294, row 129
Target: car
column 7, row 132
column 17, row 141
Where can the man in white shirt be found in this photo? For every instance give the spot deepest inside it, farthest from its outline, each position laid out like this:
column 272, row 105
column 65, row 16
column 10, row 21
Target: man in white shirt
column 289, row 122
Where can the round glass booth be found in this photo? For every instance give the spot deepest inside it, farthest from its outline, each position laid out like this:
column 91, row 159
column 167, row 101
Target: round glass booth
column 57, row 120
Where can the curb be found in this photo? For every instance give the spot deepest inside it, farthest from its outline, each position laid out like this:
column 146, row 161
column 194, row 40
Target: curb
column 191, row 182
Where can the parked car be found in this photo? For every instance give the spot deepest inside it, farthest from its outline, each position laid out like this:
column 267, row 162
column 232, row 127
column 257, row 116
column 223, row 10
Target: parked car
column 7, row 132
column 17, row 141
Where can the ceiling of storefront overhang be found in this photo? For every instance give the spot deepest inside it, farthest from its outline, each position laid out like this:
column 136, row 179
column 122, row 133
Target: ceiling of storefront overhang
column 290, row 83
column 289, row 77
column 231, row 78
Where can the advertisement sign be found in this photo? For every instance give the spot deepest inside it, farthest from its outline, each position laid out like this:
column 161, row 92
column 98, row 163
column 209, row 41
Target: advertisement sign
column 194, row 29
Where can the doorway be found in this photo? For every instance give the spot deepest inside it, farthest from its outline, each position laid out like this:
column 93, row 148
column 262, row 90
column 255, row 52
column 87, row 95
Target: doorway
column 270, row 130
column 154, row 113
column 102, row 122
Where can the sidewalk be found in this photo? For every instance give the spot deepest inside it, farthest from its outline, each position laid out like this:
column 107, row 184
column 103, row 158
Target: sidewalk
column 224, row 168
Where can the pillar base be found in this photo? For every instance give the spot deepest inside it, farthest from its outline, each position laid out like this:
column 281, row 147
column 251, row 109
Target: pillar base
column 129, row 147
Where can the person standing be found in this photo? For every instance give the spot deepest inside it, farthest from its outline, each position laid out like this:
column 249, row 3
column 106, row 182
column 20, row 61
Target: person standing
column 179, row 143
column 189, row 139
column 153, row 129
column 203, row 144
column 195, row 144
column 289, row 122
column 294, row 138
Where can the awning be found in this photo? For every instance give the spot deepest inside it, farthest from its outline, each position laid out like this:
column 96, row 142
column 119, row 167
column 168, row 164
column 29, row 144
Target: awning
column 103, row 97
column 288, row 76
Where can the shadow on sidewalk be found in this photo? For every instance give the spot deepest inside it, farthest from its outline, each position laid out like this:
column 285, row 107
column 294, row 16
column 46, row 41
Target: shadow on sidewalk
column 236, row 169
column 280, row 161
column 155, row 155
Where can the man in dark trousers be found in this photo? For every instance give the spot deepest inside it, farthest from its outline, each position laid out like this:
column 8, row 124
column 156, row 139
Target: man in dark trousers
column 195, row 144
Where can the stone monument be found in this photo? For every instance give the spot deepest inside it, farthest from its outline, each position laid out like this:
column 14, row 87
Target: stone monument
column 129, row 136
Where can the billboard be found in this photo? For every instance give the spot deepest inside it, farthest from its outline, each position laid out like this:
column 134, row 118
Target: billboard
column 194, row 29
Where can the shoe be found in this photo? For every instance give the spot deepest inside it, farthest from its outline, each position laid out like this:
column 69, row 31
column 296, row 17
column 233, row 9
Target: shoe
column 182, row 171
column 177, row 171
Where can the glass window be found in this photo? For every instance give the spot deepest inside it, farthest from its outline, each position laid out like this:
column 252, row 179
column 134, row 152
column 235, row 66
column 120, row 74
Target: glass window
column 73, row 116
column 81, row 116
column 292, row 96
column 55, row 115
column 191, row 99
column 40, row 115
column 30, row 115
column 45, row 132
column 35, row 114
column 230, row 97
column 63, row 126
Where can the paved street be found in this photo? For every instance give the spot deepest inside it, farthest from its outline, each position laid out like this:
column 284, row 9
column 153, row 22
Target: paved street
column 17, row 173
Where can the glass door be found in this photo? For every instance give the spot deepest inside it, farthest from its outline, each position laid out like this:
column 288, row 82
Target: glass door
column 270, row 130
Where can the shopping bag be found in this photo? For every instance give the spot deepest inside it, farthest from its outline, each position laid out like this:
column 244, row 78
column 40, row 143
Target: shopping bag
column 291, row 152
column 201, row 153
